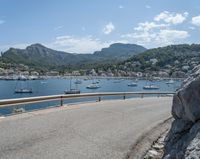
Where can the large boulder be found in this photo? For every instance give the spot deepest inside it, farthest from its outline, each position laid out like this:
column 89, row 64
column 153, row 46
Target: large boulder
column 183, row 140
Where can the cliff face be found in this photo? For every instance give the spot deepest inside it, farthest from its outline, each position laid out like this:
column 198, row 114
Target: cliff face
column 183, row 140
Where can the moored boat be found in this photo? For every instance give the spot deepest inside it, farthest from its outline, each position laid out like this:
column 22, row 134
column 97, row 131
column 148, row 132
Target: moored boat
column 72, row 91
column 21, row 90
column 78, row 81
column 93, row 86
column 132, row 84
column 171, row 81
column 150, row 87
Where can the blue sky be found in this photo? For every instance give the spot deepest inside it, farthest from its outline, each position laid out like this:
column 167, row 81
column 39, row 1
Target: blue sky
column 83, row 26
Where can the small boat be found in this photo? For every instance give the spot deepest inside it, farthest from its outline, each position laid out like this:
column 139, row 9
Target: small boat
column 78, row 81
column 150, row 87
column 93, row 86
column 133, row 84
column 72, row 91
column 23, row 90
column 43, row 82
column 22, row 86
column 171, row 81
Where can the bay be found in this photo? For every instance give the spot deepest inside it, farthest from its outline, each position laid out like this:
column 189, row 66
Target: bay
column 55, row 86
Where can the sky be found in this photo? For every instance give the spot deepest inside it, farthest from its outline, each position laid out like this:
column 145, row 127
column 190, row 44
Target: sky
column 85, row 26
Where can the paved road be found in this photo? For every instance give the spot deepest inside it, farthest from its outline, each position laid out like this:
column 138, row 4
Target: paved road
column 102, row 130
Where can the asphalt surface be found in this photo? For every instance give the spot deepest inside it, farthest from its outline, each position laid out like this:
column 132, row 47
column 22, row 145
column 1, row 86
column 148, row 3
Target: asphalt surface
column 101, row 130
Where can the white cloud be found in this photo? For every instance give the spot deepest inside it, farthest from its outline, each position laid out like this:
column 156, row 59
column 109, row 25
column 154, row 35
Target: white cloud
column 120, row 6
column 108, row 28
column 140, row 38
column 70, row 44
column 148, row 7
column 162, row 37
column 2, row 21
column 171, row 36
column 58, row 27
column 196, row 20
column 17, row 45
column 146, row 26
column 172, row 18
column 78, row 44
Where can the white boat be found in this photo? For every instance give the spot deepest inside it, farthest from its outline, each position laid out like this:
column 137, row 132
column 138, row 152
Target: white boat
column 23, row 90
column 22, row 86
column 132, row 84
column 171, row 81
column 78, row 81
column 93, row 86
column 150, row 87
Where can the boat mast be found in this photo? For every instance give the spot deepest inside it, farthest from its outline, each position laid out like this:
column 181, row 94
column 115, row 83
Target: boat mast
column 70, row 82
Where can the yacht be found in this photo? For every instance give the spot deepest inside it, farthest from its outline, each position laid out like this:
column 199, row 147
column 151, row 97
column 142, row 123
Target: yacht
column 93, row 86
column 150, row 87
column 78, row 81
column 132, row 84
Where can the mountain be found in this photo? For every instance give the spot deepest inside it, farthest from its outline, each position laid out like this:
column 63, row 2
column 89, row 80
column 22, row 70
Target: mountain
column 171, row 58
column 39, row 56
column 120, row 51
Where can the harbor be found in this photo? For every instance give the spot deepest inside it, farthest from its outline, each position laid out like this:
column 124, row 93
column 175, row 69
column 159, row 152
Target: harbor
column 55, row 86
column 58, row 85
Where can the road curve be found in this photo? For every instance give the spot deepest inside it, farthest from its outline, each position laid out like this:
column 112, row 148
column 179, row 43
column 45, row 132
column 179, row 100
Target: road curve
column 101, row 130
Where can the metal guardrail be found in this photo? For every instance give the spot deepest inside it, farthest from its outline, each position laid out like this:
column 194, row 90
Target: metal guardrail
column 62, row 97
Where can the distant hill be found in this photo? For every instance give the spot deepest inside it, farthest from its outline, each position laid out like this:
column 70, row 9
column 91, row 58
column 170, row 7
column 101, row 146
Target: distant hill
column 120, row 51
column 171, row 58
column 39, row 56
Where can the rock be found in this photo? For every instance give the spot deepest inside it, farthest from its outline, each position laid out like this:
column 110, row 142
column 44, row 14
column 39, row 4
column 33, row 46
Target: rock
column 152, row 154
column 183, row 139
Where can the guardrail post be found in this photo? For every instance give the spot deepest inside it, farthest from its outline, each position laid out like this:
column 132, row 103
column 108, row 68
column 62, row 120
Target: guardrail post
column 124, row 97
column 99, row 99
column 61, row 101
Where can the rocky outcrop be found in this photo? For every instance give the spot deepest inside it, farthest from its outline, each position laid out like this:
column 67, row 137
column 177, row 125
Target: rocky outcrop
column 183, row 140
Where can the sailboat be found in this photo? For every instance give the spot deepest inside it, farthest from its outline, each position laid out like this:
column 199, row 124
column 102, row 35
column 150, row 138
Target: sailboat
column 133, row 84
column 71, row 90
column 23, row 88
column 78, row 81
